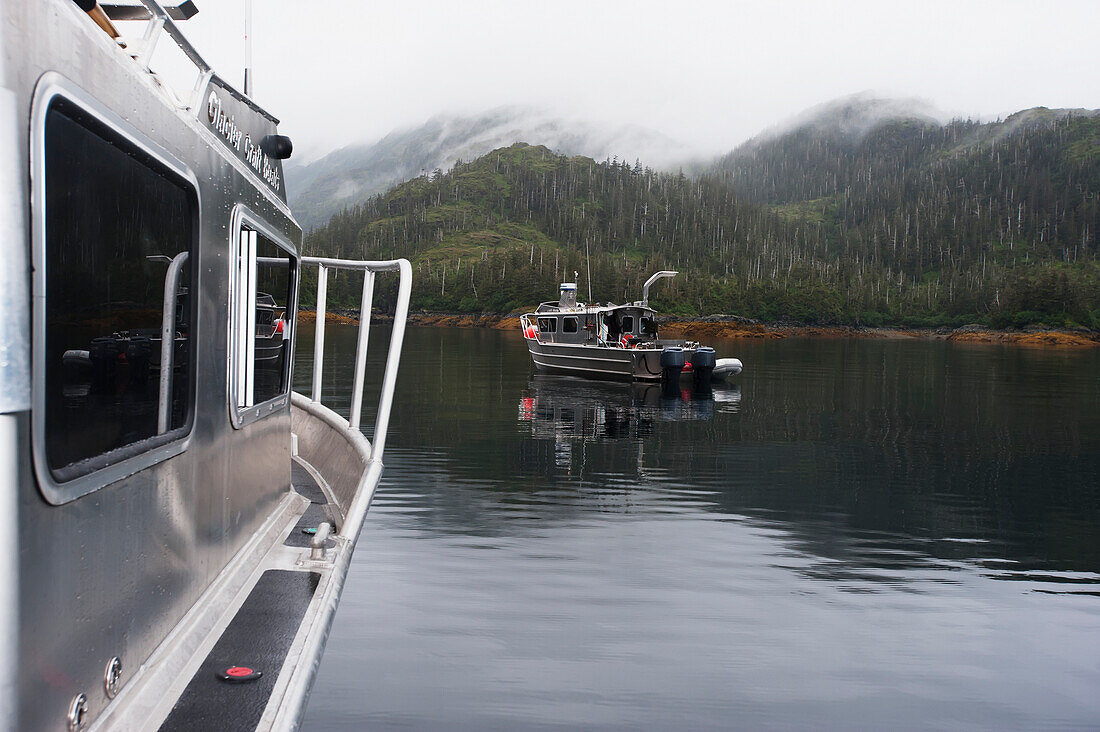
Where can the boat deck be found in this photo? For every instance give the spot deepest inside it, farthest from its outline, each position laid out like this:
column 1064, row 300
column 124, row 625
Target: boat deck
column 270, row 608
column 306, row 484
column 260, row 635
column 258, row 639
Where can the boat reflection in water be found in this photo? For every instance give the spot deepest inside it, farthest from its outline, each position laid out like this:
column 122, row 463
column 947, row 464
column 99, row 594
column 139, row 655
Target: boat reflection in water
column 565, row 407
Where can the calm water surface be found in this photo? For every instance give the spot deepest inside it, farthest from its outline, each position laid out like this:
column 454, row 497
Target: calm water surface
column 854, row 533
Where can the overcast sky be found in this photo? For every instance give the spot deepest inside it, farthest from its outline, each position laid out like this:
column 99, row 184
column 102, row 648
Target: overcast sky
column 710, row 74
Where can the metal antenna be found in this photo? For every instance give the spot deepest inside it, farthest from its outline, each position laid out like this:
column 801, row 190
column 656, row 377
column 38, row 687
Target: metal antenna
column 588, row 264
column 248, row 48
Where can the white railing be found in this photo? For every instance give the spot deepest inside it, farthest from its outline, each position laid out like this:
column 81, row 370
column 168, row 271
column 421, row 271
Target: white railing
column 397, row 335
column 158, row 21
column 525, row 326
column 142, row 50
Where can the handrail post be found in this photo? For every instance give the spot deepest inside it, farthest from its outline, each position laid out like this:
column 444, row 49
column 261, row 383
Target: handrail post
column 361, row 350
column 393, row 359
column 168, row 341
column 149, row 39
column 202, row 80
column 319, row 332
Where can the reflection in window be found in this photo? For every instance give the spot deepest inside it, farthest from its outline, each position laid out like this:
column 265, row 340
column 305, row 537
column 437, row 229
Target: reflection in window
column 547, row 325
column 263, row 294
column 117, row 225
column 569, row 325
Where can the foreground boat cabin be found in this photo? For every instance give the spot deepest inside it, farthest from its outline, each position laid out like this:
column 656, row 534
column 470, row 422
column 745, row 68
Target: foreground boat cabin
column 178, row 523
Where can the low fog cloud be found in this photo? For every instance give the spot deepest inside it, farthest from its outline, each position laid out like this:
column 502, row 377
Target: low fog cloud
column 708, row 75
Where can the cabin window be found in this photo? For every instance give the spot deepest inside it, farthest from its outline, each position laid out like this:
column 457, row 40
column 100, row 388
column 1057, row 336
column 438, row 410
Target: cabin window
column 115, row 237
column 263, row 290
column 628, row 324
column 547, row 325
column 649, row 327
column 569, row 325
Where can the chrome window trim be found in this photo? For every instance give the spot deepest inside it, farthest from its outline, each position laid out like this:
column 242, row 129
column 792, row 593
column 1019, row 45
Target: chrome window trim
column 50, row 86
column 241, row 417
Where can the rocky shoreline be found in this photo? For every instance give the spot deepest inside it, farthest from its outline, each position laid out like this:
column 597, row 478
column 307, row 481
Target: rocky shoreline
column 724, row 326
column 732, row 326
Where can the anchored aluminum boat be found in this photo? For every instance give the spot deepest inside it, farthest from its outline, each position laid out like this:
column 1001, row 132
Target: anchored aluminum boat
column 615, row 341
column 177, row 524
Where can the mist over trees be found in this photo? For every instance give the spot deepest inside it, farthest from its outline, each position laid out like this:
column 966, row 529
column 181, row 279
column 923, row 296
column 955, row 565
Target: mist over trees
column 352, row 174
column 910, row 222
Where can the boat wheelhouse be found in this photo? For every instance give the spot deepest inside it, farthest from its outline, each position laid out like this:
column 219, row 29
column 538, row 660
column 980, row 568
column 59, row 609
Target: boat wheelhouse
column 177, row 523
column 615, row 341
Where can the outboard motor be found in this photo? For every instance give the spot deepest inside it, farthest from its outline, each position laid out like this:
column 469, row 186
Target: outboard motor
column 672, row 363
column 702, row 365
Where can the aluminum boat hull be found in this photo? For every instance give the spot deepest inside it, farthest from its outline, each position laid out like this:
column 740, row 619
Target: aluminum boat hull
column 622, row 364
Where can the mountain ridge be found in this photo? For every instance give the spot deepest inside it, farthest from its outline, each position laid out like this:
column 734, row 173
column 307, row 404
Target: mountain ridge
column 857, row 140
column 499, row 232
column 353, row 173
column 905, row 221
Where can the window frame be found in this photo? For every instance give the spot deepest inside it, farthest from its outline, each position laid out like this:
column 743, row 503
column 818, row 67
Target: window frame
column 157, row 449
column 548, row 319
column 244, row 218
column 576, row 324
column 622, row 325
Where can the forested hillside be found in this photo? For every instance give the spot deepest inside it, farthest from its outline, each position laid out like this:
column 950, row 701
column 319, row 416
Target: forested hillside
column 907, row 222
